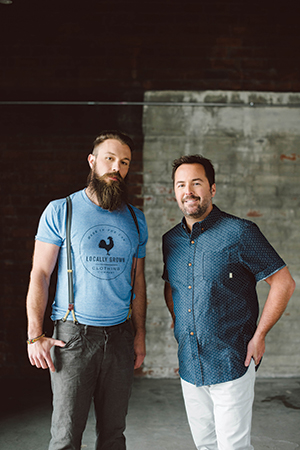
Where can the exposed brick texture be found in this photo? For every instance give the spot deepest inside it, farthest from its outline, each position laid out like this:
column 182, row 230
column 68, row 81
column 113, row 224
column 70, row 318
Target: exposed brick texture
column 43, row 157
column 101, row 48
column 255, row 152
column 110, row 50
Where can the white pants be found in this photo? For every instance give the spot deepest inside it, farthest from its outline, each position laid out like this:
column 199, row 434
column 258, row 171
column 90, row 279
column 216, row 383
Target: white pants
column 220, row 415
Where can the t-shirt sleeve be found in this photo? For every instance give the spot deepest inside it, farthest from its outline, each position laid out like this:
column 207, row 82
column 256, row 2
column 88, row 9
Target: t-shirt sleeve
column 143, row 233
column 51, row 228
column 258, row 255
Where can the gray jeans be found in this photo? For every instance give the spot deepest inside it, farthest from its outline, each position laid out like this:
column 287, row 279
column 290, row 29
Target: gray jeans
column 96, row 363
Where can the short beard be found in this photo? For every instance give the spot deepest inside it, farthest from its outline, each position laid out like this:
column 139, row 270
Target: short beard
column 111, row 195
column 199, row 212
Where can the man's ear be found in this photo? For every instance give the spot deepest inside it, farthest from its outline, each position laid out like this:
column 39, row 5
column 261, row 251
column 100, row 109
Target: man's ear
column 213, row 190
column 91, row 160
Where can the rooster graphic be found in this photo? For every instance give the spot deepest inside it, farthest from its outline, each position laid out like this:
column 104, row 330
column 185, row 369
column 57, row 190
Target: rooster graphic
column 107, row 247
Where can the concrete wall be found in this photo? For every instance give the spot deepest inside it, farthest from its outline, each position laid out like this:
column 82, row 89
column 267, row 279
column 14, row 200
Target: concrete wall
column 255, row 150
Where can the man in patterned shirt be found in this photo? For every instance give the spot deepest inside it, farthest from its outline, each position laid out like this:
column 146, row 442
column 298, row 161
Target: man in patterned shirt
column 212, row 262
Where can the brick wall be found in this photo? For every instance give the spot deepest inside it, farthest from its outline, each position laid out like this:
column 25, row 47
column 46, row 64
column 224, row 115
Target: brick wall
column 43, row 157
column 255, row 152
column 100, row 49
column 110, row 50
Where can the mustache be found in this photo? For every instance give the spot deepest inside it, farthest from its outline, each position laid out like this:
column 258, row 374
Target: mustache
column 190, row 197
column 112, row 175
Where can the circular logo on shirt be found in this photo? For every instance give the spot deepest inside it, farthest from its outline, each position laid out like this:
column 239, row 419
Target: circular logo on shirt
column 105, row 251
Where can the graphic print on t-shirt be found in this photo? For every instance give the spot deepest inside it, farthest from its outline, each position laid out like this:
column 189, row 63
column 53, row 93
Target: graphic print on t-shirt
column 105, row 251
column 107, row 246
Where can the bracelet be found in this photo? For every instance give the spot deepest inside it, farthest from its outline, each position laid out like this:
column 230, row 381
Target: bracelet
column 32, row 341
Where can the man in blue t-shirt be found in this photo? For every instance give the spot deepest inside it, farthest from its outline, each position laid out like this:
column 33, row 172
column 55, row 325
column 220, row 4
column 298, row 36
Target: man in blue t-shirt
column 99, row 337
column 212, row 262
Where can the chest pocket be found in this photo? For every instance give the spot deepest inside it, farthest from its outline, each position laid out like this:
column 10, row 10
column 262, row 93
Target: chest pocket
column 217, row 267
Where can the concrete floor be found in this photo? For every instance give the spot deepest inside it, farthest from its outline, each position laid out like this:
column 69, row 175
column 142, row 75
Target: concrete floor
column 156, row 418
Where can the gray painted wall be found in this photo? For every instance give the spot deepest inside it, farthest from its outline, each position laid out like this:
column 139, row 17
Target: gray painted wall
column 253, row 139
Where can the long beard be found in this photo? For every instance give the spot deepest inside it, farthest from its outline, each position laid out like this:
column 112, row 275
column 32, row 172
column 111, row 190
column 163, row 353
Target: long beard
column 110, row 194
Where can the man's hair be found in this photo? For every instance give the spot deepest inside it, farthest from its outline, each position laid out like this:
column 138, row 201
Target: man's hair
column 196, row 159
column 112, row 134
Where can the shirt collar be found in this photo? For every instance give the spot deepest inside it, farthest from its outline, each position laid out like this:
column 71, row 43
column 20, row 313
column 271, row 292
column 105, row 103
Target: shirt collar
column 203, row 225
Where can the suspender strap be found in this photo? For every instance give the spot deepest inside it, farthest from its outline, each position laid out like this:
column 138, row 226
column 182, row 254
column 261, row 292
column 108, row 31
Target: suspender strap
column 137, row 253
column 69, row 262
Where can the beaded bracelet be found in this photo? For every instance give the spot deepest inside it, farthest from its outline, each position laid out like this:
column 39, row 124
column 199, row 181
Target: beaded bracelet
column 32, row 341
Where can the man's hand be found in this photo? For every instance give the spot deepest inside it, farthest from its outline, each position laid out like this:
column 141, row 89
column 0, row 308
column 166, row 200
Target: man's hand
column 282, row 287
column 139, row 349
column 255, row 350
column 44, row 260
column 39, row 352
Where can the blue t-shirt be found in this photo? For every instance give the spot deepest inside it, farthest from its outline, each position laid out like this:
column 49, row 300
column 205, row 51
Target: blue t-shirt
column 103, row 245
column 213, row 274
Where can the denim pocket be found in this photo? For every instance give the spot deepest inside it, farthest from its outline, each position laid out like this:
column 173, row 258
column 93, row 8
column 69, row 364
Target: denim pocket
column 68, row 333
column 72, row 341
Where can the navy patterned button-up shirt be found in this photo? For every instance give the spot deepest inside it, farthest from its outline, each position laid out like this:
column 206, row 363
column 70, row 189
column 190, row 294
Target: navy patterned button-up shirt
column 213, row 273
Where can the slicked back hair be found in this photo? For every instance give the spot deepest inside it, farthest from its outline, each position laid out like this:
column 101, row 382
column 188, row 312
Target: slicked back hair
column 112, row 134
column 196, row 159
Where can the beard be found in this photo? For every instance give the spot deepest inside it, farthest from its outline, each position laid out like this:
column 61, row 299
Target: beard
column 111, row 194
column 198, row 211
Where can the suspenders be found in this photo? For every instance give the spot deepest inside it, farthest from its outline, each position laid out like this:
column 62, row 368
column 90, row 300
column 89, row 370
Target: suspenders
column 69, row 261
column 136, row 259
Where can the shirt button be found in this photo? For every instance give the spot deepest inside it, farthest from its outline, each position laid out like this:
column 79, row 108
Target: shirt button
column 189, row 310
column 192, row 333
column 192, row 242
column 190, row 264
column 190, row 287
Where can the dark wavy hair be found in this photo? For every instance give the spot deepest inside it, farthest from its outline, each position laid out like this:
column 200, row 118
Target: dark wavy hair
column 196, row 159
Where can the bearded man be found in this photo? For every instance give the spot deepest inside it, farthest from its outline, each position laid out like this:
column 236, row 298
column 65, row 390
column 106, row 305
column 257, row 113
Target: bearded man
column 212, row 262
column 94, row 350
